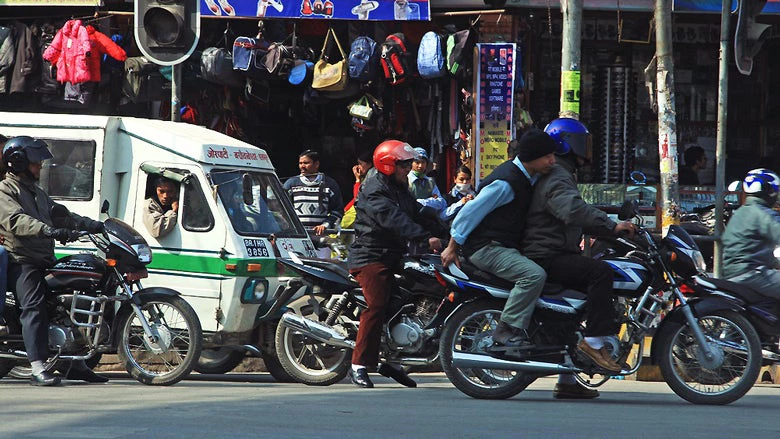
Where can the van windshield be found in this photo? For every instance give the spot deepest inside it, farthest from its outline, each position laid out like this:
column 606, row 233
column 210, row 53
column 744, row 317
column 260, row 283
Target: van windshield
column 270, row 212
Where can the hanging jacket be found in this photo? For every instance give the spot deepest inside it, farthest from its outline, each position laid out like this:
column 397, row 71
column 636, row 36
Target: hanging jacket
column 69, row 52
column 7, row 56
column 28, row 60
column 101, row 44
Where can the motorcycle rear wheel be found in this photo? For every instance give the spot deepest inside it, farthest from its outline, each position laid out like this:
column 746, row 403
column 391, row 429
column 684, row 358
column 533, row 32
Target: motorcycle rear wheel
column 174, row 354
column 471, row 330
column 309, row 361
column 732, row 337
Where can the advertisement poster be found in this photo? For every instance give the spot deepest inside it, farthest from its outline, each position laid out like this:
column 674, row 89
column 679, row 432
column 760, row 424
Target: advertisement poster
column 418, row 10
column 714, row 6
column 51, row 2
column 495, row 88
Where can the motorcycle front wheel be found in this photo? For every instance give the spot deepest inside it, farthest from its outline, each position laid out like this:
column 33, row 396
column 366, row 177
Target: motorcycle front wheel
column 471, row 330
column 175, row 349
column 310, row 361
column 724, row 379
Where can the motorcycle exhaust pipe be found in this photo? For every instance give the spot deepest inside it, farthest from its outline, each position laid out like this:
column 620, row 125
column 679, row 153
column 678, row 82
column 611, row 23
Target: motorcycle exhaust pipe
column 418, row 361
column 465, row 360
column 316, row 330
column 13, row 354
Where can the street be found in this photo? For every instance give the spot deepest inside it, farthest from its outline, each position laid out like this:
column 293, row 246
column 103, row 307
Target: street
column 254, row 405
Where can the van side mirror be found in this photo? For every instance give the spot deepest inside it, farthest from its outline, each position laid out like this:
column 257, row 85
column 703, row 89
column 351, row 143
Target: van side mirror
column 246, row 189
column 104, row 207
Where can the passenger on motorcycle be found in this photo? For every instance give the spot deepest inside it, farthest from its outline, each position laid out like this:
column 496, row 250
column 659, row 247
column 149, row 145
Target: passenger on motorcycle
column 556, row 219
column 490, row 227
column 29, row 233
column 387, row 217
column 753, row 233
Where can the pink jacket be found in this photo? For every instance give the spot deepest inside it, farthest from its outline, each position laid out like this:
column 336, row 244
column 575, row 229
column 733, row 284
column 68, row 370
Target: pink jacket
column 69, row 51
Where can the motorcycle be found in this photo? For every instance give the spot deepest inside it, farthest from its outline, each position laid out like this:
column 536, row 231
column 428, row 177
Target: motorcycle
column 96, row 305
column 314, row 343
column 707, row 351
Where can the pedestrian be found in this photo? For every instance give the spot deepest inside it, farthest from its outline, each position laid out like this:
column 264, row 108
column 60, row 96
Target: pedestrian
column 460, row 194
column 360, row 171
column 695, row 161
column 387, row 218
column 316, row 197
column 423, row 187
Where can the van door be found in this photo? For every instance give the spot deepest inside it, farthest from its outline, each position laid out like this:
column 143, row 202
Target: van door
column 187, row 258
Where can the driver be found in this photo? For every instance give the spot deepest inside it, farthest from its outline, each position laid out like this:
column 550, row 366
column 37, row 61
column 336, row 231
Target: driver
column 753, row 233
column 29, row 233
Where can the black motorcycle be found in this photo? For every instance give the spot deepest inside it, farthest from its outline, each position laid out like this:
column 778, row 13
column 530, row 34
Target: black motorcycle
column 96, row 305
column 314, row 342
column 708, row 352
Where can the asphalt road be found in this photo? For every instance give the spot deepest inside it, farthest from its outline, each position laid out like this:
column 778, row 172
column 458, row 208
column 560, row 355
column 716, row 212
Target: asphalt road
column 254, row 405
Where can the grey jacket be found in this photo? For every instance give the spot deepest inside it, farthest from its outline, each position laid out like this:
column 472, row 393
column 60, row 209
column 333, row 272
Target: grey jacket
column 7, row 57
column 558, row 215
column 24, row 216
column 750, row 238
column 157, row 220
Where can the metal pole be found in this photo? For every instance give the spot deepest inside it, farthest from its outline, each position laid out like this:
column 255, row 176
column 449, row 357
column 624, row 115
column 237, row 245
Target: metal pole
column 667, row 123
column 176, row 92
column 570, row 58
column 720, row 152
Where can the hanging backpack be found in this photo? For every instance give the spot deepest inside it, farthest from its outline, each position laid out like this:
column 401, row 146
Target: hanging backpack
column 363, row 59
column 394, row 59
column 430, row 57
column 459, row 47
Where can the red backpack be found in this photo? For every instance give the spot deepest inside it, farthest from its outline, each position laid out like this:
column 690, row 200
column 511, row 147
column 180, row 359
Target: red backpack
column 394, row 59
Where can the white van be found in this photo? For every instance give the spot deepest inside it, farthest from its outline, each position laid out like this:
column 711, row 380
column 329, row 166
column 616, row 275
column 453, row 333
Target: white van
column 218, row 256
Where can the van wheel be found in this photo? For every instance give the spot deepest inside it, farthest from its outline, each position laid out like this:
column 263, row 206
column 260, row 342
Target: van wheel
column 220, row 360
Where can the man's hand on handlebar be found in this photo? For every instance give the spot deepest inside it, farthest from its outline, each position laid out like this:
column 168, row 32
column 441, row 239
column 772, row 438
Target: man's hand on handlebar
column 62, row 235
column 319, row 230
column 625, row 228
column 435, row 244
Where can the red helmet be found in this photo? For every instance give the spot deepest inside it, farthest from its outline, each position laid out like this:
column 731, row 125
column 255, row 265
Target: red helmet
column 389, row 152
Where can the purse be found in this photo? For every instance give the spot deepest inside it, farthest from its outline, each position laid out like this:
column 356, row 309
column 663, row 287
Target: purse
column 327, row 76
column 361, row 108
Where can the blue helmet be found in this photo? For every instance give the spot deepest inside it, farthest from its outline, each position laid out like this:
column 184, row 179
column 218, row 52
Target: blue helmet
column 762, row 183
column 571, row 136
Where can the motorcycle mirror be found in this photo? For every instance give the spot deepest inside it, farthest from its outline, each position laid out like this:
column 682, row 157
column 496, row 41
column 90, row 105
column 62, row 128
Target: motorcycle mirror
column 734, row 186
column 246, row 189
column 104, row 207
column 628, row 210
column 59, row 214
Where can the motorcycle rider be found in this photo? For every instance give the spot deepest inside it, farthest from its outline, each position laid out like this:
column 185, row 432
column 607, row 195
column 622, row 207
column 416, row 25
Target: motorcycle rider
column 753, row 233
column 490, row 228
column 556, row 219
column 29, row 232
column 387, row 217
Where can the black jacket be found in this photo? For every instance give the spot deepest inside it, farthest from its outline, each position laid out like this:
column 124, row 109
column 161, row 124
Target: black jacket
column 386, row 218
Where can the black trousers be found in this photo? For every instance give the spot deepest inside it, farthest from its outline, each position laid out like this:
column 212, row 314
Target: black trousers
column 30, row 289
column 592, row 277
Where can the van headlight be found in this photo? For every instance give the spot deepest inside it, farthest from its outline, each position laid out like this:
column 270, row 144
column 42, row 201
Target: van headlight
column 144, row 253
column 255, row 290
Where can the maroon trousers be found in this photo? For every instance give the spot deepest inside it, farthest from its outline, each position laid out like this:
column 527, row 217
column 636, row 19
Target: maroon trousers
column 378, row 285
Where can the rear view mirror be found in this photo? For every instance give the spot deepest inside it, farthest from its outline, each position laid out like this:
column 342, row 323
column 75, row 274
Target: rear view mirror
column 628, row 210
column 246, row 189
column 104, row 207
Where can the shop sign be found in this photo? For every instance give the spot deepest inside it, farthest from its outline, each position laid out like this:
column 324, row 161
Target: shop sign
column 495, row 104
column 595, row 5
column 418, row 10
column 51, row 2
column 714, row 6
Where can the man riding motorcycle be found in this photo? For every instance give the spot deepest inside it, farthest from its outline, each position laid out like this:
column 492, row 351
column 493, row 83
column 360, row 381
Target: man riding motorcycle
column 29, row 232
column 753, row 233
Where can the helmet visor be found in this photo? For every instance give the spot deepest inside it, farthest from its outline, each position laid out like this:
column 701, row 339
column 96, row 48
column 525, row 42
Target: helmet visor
column 580, row 144
column 38, row 152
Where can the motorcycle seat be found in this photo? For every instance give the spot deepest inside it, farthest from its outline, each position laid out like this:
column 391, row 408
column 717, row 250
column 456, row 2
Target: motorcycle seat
column 478, row 275
column 334, row 265
column 746, row 292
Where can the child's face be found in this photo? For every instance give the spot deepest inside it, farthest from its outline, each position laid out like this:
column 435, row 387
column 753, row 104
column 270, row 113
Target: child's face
column 462, row 178
column 419, row 165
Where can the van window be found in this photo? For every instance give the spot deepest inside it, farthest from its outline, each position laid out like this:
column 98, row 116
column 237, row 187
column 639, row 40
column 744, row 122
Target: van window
column 196, row 215
column 271, row 211
column 70, row 173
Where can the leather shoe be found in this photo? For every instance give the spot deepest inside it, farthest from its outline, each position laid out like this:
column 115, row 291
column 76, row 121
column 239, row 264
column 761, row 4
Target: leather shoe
column 45, row 378
column 85, row 375
column 397, row 374
column 360, row 378
column 598, row 357
column 3, row 330
column 574, row 391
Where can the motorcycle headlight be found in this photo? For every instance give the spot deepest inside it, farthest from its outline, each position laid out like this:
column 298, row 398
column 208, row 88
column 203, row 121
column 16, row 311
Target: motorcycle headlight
column 144, row 253
column 698, row 261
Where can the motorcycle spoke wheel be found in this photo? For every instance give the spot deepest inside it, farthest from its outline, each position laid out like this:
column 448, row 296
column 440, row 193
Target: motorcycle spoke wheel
column 172, row 355
column 723, row 379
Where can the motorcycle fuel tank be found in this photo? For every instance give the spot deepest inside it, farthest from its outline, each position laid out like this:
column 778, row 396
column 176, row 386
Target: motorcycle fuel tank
column 631, row 276
column 81, row 272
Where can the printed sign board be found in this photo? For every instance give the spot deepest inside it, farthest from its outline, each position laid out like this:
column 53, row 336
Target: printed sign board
column 495, row 105
column 417, row 10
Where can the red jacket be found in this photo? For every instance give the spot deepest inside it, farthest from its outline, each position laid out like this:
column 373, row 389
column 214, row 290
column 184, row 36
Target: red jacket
column 101, row 44
column 68, row 51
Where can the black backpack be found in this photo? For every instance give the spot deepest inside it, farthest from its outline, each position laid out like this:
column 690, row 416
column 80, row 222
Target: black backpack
column 395, row 59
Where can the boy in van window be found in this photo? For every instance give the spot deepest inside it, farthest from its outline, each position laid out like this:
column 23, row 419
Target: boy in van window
column 161, row 209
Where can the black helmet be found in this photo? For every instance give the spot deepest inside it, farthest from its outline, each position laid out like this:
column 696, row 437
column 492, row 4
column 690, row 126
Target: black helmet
column 20, row 151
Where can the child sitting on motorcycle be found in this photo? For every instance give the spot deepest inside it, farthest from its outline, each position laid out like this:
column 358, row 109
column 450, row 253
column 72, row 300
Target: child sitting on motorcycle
column 753, row 233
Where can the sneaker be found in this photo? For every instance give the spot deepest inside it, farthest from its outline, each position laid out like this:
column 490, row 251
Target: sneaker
column 573, row 391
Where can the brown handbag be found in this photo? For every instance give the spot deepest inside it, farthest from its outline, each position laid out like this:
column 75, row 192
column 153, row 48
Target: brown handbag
column 327, row 76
